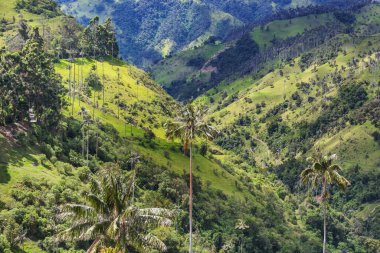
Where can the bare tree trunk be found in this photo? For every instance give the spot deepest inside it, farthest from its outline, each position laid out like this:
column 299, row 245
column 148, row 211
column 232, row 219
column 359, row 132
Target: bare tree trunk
column 103, row 82
column 324, row 214
column 324, row 229
column 191, row 201
column 97, row 144
column 72, row 105
column 88, row 140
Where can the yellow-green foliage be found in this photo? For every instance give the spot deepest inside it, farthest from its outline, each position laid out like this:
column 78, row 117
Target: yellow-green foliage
column 9, row 12
column 282, row 29
column 132, row 92
column 176, row 68
column 273, row 88
column 122, row 83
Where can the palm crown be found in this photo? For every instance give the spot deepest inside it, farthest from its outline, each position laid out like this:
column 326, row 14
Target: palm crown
column 324, row 172
column 109, row 217
column 190, row 124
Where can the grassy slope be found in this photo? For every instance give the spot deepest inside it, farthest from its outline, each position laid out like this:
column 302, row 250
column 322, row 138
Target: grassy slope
column 8, row 11
column 129, row 88
column 281, row 29
column 19, row 161
column 136, row 87
column 273, row 89
column 175, row 68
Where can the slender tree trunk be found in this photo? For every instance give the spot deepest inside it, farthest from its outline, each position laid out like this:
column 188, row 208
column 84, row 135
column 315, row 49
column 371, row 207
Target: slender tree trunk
column 97, row 144
column 103, row 81
column 324, row 228
column 324, row 214
column 88, row 140
column 72, row 105
column 83, row 141
column 191, row 201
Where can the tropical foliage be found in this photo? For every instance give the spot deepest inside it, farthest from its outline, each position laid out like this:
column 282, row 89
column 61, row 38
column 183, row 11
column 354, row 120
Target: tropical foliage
column 111, row 217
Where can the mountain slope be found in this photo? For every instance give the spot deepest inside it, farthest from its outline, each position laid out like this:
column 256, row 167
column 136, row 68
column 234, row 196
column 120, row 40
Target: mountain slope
column 150, row 30
column 326, row 99
column 42, row 170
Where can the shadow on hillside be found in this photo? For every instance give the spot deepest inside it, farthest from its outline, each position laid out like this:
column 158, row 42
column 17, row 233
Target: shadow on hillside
column 11, row 154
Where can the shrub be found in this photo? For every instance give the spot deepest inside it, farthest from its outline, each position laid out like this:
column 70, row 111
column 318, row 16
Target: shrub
column 203, row 149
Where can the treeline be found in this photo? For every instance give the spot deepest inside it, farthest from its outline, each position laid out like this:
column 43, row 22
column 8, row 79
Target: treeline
column 70, row 40
column 96, row 40
column 48, row 8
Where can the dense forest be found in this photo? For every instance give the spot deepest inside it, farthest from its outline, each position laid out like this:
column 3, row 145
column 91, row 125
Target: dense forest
column 272, row 146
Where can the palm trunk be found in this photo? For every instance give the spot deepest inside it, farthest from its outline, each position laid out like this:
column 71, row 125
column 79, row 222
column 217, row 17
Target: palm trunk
column 191, row 201
column 88, row 140
column 324, row 229
column 324, row 214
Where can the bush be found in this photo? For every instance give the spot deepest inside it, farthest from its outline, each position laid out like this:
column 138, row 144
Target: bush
column 203, row 149
column 64, row 168
column 5, row 246
column 47, row 150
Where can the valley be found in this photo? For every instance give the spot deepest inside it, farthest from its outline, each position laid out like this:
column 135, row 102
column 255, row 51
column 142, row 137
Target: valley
column 277, row 90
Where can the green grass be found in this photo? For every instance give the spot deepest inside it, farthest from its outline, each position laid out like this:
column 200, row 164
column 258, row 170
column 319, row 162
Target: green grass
column 274, row 89
column 134, row 88
column 17, row 162
column 175, row 68
column 8, row 11
column 354, row 145
column 282, row 29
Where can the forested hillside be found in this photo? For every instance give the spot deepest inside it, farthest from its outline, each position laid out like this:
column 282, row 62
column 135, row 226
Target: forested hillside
column 289, row 88
column 96, row 156
column 149, row 30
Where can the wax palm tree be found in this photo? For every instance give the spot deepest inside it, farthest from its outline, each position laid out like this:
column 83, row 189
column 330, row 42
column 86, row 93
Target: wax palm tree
column 109, row 219
column 324, row 173
column 240, row 226
column 85, row 125
column 187, row 126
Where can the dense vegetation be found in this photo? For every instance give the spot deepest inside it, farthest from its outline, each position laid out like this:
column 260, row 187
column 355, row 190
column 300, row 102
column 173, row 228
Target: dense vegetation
column 151, row 30
column 85, row 163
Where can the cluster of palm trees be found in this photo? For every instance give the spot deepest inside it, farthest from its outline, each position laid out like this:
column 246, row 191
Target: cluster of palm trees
column 112, row 219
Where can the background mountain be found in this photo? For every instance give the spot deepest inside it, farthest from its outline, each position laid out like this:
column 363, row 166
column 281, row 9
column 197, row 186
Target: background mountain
column 149, row 30
column 277, row 92
column 290, row 87
column 43, row 167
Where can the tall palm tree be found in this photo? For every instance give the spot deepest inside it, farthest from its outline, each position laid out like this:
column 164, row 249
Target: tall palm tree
column 241, row 225
column 190, row 124
column 108, row 217
column 324, row 173
column 85, row 125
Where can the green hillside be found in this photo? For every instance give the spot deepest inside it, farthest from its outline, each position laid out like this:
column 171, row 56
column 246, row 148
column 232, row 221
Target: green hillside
column 71, row 111
column 280, row 116
column 42, row 169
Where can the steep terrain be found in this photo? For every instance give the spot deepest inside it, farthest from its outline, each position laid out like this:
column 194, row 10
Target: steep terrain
column 277, row 93
column 150, row 30
column 326, row 99
column 289, row 88
column 113, row 111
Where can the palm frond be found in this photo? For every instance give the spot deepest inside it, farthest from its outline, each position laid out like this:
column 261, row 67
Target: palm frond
column 340, row 180
column 150, row 241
